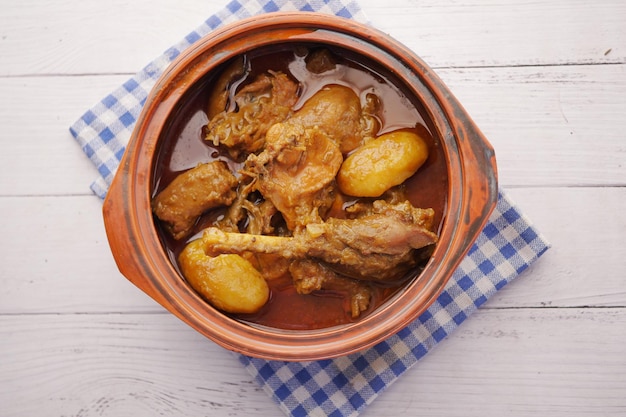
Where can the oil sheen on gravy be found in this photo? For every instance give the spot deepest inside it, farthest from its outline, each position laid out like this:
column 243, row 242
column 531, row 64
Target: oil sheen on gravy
column 183, row 147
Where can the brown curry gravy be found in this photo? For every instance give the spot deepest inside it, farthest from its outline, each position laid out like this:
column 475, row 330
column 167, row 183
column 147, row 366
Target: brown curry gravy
column 183, row 147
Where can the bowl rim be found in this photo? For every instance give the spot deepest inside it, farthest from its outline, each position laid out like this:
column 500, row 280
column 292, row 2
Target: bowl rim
column 135, row 242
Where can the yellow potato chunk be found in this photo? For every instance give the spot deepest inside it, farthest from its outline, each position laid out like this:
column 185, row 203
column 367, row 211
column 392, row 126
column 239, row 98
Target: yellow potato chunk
column 228, row 282
column 382, row 163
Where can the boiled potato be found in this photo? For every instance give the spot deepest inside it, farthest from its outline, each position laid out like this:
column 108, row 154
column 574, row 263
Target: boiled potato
column 228, row 282
column 382, row 163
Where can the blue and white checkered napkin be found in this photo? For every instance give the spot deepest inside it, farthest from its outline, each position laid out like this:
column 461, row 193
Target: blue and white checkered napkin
column 343, row 386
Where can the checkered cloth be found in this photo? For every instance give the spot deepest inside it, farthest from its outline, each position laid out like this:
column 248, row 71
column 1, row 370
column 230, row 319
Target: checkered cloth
column 343, row 386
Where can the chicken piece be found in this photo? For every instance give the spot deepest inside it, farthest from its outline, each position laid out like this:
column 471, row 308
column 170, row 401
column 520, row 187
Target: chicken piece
column 393, row 196
column 264, row 102
column 237, row 210
column 259, row 219
column 309, row 276
column 248, row 213
column 192, row 193
column 218, row 100
column 296, row 172
column 337, row 111
column 320, row 61
column 379, row 246
column 395, row 204
column 370, row 122
column 270, row 265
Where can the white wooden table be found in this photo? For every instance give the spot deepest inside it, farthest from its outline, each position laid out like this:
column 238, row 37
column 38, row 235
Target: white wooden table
column 545, row 81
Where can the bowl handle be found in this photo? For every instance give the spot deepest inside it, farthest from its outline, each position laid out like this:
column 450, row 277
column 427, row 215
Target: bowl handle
column 479, row 171
column 124, row 238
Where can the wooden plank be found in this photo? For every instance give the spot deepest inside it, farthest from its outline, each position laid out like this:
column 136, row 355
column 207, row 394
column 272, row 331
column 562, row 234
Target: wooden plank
column 585, row 265
column 40, row 156
column 477, row 33
column 79, row 340
column 59, row 260
column 95, row 365
column 549, row 125
column 93, row 37
column 516, row 362
column 520, row 362
column 56, row 258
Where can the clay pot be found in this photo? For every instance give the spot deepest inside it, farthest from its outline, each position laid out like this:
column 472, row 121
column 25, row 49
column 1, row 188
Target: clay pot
column 135, row 242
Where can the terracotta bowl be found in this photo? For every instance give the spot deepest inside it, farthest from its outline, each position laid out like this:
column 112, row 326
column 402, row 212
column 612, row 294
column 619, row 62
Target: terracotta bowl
column 134, row 238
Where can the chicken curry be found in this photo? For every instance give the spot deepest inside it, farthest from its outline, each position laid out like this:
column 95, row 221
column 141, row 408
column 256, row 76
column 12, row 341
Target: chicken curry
column 299, row 189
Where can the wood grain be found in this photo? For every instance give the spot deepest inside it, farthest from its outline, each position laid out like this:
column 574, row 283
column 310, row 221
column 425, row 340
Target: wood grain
column 93, row 37
column 40, row 156
column 520, row 362
column 585, row 265
column 554, row 126
column 545, row 81
column 111, row 365
column 550, row 126
column 482, row 33
column 70, row 237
